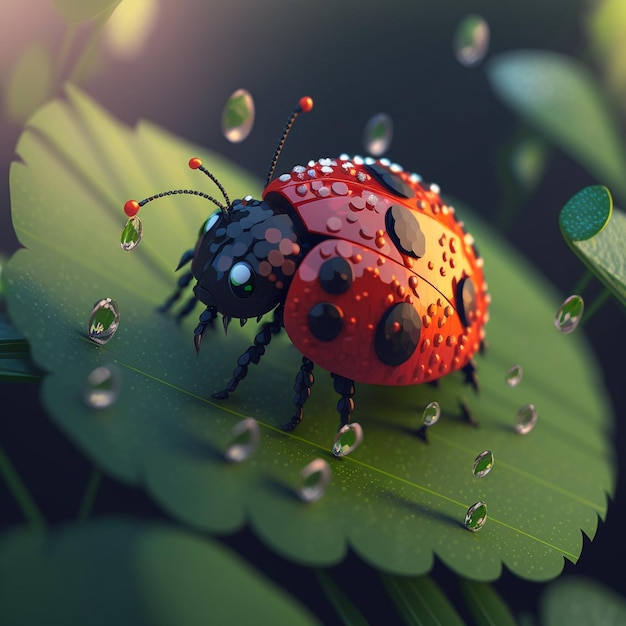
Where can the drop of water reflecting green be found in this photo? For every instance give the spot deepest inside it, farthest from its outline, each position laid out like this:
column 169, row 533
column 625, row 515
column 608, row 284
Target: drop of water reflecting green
column 514, row 376
column 103, row 386
column 238, row 116
column 103, row 321
column 525, row 419
column 471, row 40
column 569, row 314
column 245, row 440
column 476, row 516
column 483, row 464
column 348, row 439
column 378, row 134
column 315, row 478
column 432, row 412
column 131, row 235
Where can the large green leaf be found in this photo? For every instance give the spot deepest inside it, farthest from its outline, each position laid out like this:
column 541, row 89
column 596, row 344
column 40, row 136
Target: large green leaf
column 15, row 362
column 119, row 571
column 557, row 95
column 395, row 500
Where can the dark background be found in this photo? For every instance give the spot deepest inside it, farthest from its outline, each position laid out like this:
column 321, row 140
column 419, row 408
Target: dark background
column 355, row 59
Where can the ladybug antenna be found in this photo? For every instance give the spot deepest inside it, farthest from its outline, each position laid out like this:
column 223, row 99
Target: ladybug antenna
column 131, row 208
column 304, row 106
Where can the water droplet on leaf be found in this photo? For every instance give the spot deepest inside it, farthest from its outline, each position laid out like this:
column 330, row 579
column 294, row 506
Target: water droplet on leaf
column 348, row 439
column 432, row 412
column 246, row 435
column 476, row 516
column 483, row 464
column 514, row 376
column 378, row 134
column 131, row 235
column 238, row 116
column 103, row 386
column 103, row 321
column 526, row 419
column 569, row 314
column 471, row 40
column 315, row 478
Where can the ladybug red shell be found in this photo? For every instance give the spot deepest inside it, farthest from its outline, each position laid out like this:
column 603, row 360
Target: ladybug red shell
column 394, row 293
column 365, row 267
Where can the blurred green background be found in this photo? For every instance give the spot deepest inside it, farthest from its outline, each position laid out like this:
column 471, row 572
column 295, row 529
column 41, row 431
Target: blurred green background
column 176, row 63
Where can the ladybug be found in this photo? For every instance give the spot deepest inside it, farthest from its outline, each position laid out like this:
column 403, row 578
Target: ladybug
column 363, row 265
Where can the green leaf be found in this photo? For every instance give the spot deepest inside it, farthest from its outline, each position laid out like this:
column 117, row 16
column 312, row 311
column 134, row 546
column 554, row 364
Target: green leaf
column 83, row 10
column 420, row 601
column 581, row 602
column 118, row 571
column 16, row 364
column 30, row 83
column 590, row 214
column 486, row 606
column 560, row 98
column 396, row 500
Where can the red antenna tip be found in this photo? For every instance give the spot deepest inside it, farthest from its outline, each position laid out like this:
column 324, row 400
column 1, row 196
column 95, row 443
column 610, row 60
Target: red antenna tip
column 131, row 208
column 195, row 163
column 305, row 104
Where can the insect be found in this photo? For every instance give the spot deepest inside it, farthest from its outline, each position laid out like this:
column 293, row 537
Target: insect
column 361, row 263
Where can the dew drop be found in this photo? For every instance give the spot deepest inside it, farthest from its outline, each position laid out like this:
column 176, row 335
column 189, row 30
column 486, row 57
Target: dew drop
column 103, row 321
column 525, row 419
column 378, row 134
column 102, row 387
column 471, row 40
column 131, row 235
column 483, row 464
column 476, row 516
column 348, row 439
column 569, row 314
column 245, row 440
column 514, row 376
column 238, row 116
column 432, row 412
column 315, row 478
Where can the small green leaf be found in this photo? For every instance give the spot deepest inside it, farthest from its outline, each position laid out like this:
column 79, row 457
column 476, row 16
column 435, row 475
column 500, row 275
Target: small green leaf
column 581, row 602
column 83, row 10
column 560, row 98
column 118, row 571
column 29, row 85
column 396, row 501
column 605, row 255
column 420, row 601
column 485, row 605
column 586, row 214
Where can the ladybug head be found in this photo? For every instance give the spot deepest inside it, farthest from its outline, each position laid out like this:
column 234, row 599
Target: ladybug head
column 245, row 259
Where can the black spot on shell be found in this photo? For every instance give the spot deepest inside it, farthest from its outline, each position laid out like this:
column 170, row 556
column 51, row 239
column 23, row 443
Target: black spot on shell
column 397, row 334
column 466, row 300
column 390, row 180
column 325, row 321
column 336, row 275
column 405, row 232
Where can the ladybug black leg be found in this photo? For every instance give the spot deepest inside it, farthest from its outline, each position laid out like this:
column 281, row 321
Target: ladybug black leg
column 253, row 354
column 466, row 413
column 484, row 346
column 206, row 319
column 190, row 305
column 182, row 282
column 470, row 375
column 302, row 388
column 345, row 405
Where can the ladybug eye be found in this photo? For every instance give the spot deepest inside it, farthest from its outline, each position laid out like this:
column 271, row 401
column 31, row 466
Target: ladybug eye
column 208, row 223
column 242, row 280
